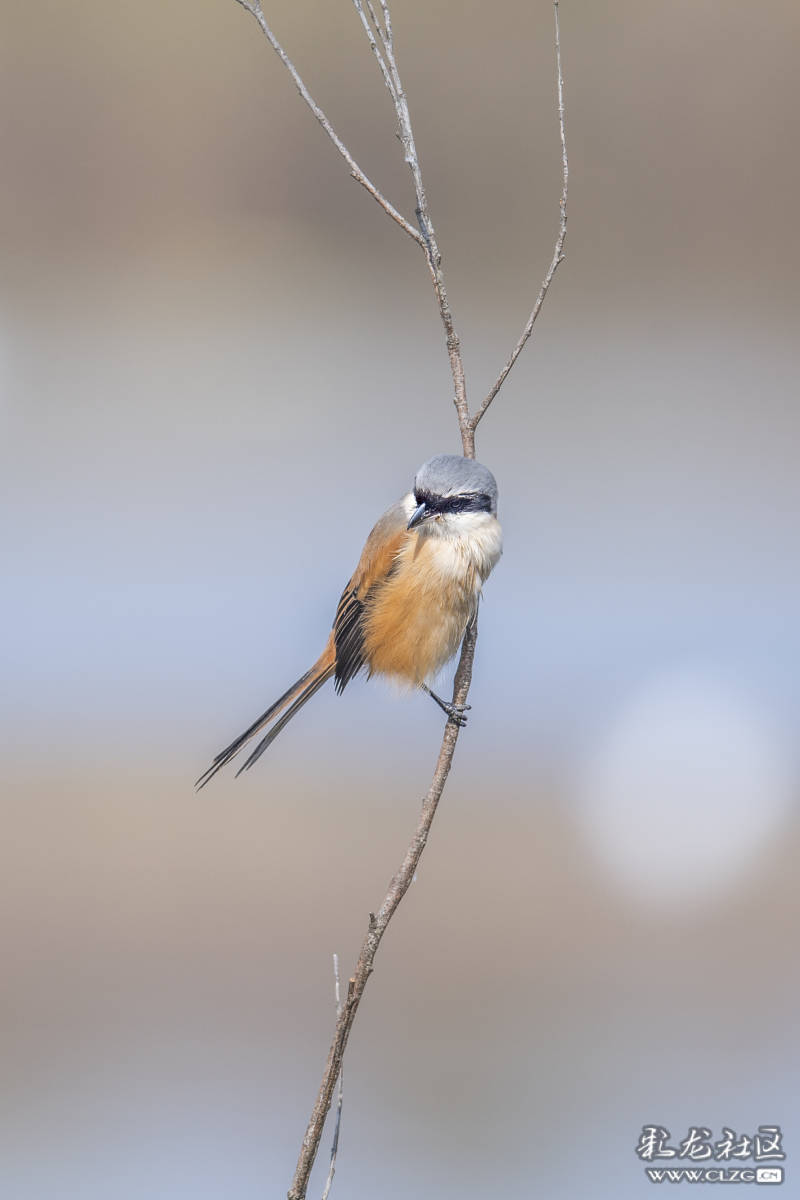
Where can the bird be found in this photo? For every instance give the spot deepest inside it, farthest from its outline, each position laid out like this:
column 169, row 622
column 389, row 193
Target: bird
column 410, row 600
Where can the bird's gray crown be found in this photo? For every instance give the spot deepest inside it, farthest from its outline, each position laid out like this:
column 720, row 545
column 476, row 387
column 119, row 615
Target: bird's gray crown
column 449, row 476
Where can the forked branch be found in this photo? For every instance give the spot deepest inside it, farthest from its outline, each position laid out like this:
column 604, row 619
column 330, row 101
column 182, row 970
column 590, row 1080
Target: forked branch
column 355, row 170
column 381, row 40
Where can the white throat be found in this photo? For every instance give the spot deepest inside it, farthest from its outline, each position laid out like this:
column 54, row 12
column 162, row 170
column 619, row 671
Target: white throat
column 465, row 542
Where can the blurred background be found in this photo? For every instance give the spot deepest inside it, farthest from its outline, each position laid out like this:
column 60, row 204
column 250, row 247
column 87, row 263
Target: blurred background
column 219, row 362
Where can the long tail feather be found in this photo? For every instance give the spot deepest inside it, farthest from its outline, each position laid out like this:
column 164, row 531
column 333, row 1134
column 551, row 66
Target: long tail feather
column 295, row 696
column 266, row 741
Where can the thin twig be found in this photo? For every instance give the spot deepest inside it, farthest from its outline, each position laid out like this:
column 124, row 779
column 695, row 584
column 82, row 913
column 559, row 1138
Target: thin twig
column 379, row 921
column 355, row 170
column 387, row 78
column 394, row 83
column 340, row 1096
column 558, row 254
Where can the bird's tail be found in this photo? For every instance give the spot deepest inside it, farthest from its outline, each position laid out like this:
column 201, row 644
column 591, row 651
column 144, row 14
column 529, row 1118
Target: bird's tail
column 292, row 700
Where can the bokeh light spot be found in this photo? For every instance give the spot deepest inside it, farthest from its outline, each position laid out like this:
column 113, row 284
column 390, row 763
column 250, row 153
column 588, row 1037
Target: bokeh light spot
column 685, row 789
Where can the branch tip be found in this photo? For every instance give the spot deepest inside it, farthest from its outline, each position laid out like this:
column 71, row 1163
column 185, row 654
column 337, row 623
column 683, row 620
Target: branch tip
column 558, row 253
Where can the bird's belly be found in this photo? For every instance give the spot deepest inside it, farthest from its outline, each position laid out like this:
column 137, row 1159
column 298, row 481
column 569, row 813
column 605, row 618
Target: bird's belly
column 415, row 623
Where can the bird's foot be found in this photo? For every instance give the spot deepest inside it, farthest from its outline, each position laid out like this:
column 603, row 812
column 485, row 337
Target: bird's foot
column 457, row 713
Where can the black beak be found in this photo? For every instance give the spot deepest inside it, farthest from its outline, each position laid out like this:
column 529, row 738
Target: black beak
column 419, row 515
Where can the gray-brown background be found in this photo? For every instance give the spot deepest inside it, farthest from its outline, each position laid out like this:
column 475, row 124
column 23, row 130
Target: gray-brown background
column 219, row 361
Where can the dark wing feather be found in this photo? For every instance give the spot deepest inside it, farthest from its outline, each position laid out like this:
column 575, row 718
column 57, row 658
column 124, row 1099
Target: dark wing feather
column 377, row 562
column 348, row 635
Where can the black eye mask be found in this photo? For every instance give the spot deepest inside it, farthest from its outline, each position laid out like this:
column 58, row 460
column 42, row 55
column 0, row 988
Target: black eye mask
column 463, row 502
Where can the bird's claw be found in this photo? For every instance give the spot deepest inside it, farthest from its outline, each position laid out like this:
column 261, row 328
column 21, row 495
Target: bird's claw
column 457, row 713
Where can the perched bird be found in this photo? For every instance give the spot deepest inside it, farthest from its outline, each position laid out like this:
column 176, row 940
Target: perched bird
column 411, row 598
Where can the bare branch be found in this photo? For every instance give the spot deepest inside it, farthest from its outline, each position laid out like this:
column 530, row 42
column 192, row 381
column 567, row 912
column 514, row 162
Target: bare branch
column 387, row 78
column 558, row 253
column 376, row 22
column 339, row 1098
column 381, row 41
column 355, row 170
column 379, row 921
column 391, row 75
